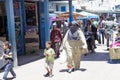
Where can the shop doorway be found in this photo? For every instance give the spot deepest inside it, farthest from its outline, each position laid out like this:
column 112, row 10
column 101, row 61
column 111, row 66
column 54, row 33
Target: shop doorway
column 31, row 31
column 32, row 36
column 3, row 23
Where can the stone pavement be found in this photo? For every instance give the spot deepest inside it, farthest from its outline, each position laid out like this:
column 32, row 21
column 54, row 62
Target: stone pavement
column 93, row 67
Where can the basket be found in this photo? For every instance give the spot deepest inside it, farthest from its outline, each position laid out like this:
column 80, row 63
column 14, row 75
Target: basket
column 114, row 53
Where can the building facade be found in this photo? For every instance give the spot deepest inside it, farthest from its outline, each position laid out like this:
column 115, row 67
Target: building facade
column 63, row 5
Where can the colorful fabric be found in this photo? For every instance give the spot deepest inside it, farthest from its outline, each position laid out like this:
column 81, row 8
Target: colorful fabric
column 115, row 44
column 56, row 36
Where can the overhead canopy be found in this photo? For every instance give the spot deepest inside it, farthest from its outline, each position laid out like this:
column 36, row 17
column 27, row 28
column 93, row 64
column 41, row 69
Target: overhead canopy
column 66, row 15
column 89, row 15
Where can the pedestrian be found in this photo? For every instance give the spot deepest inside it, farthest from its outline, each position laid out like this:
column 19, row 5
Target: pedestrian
column 90, row 33
column 73, row 43
column 110, row 30
column 49, row 59
column 95, row 24
column 56, row 38
column 9, row 60
column 101, row 29
column 64, row 27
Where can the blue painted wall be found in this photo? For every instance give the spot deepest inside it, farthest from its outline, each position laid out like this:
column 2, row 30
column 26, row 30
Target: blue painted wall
column 11, row 28
column 22, row 27
column 44, row 22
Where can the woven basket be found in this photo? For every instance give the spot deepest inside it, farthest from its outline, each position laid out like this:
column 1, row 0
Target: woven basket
column 114, row 53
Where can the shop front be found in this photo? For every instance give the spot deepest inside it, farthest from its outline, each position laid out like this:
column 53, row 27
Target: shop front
column 25, row 23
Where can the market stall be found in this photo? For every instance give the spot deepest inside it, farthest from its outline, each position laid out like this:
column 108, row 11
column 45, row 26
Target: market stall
column 114, row 51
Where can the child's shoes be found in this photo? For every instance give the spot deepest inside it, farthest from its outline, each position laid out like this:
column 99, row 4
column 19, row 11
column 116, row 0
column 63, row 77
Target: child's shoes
column 46, row 75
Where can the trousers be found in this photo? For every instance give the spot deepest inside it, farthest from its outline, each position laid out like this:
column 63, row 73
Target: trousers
column 8, row 68
column 74, row 55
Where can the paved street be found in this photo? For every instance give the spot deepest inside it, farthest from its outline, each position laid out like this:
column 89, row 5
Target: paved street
column 93, row 67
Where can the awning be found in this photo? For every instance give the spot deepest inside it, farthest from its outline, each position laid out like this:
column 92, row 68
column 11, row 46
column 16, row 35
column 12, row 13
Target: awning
column 89, row 15
column 65, row 15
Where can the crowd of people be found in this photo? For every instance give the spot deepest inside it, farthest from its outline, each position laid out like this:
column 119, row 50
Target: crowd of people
column 101, row 31
column 77, row 39
column 74, row 38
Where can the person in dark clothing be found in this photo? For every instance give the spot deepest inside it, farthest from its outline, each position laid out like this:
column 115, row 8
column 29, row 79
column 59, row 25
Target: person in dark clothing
column 90, row 33
column 101, row 29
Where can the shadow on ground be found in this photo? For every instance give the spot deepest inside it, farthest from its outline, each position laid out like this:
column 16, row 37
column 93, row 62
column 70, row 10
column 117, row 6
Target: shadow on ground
column 25, row 59
column 66, row 70
column 98, row 56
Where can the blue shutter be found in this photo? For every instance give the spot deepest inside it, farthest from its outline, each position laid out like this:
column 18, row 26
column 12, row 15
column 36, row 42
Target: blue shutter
column 63, row 8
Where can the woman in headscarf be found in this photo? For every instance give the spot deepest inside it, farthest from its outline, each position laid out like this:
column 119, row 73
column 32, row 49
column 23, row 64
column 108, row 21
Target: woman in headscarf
column 74, row 44
column 56, row 38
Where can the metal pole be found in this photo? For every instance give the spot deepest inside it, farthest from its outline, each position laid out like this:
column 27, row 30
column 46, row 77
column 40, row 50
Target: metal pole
column 22, row 26
column 46, row 17
column 11, row 29
column 44, row 22
column 70, row 11
column 41, row 24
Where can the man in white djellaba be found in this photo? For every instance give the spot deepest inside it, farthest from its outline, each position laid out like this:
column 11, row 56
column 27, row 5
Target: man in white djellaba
column 74, row 44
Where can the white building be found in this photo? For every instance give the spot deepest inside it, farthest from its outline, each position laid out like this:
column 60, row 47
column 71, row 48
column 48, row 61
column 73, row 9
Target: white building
column 99, row 5
column 63, row 6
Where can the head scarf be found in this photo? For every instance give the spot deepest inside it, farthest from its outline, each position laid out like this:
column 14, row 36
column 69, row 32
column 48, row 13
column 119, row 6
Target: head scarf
column 74, row 27
column 73, row 33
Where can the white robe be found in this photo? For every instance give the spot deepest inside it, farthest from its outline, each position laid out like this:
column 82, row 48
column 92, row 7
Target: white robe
column 69, row 49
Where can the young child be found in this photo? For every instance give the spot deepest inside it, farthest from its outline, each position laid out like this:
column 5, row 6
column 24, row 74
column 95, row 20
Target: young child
column 49, row 55
column 9, row 61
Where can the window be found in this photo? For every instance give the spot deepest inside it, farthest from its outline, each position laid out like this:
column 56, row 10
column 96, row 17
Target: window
column 57, row 8
column 63, row 8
